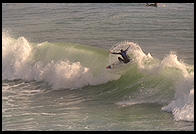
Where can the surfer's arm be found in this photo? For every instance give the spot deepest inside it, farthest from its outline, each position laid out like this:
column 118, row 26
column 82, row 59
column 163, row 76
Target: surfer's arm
column 114, row 53
column 127, row 49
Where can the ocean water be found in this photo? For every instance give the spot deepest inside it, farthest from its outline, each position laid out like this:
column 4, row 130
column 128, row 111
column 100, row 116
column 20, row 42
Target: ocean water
column 54, row 59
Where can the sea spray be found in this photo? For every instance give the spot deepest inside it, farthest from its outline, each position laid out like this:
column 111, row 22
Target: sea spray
column 183, row 104
column 171, row 70
column 61, row 66
column 15, row 53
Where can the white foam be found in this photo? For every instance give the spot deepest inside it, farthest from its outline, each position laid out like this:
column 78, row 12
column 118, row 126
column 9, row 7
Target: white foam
column 62, row 74
column 14, row 55
column 18, row 63
column 182, row 107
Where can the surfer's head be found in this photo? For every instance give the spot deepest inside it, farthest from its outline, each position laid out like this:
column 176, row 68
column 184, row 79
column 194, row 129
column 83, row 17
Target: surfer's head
column 121, row 50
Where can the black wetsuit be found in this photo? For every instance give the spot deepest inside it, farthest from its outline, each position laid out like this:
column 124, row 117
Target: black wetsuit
column 154, row 5
column 124, row 55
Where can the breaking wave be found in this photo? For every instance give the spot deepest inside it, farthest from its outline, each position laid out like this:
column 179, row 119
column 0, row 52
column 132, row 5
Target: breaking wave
column 65, row 65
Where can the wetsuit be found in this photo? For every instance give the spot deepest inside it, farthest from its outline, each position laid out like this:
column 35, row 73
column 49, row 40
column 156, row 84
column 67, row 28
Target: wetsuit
column 124, row 55
column 154, row 5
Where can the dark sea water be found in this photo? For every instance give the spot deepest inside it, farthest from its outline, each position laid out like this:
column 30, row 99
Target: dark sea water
column 54, row 59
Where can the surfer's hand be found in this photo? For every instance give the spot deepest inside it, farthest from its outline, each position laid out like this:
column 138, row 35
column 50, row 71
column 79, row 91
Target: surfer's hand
column 110, row 51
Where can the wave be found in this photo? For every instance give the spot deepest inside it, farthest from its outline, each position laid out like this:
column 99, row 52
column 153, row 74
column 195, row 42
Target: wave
column 61, row 65
column 160, row 79
column 65, row 65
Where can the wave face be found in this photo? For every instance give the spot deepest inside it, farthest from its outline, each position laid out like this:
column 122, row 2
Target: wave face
column 64, row 65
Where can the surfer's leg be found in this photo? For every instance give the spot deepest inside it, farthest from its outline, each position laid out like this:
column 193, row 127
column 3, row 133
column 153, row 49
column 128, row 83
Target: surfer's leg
column 127, row 61
column 120, row 59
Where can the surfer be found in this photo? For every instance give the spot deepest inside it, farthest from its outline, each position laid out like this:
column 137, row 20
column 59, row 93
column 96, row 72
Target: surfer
column 124, row 56
column 153, row 4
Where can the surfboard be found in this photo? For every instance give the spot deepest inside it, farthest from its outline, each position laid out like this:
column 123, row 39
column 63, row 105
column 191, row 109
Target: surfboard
column 119, row 64
column 114, row 65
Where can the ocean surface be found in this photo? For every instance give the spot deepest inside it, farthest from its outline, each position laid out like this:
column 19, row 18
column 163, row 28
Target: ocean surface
column 54, row 58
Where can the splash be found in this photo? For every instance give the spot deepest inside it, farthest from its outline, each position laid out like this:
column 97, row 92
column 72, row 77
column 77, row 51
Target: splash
column 61, row 66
